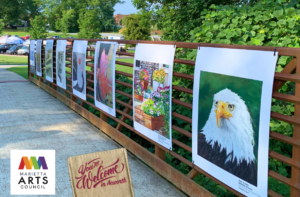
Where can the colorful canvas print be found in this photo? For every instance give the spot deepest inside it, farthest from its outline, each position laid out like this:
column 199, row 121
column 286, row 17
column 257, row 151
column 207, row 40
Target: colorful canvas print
column 231, row 114
column 78, row 69
column 152, row 92
column 32, row 57
column 104, row 76
column 49, row 60
column 60, row 63
column 39, row 57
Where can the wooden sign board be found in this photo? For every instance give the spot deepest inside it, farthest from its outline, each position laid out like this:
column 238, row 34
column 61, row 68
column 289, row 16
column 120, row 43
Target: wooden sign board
column 101, row 174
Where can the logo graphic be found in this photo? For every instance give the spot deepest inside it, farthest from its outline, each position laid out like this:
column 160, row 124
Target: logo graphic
column 32, row 172
column 33, row 163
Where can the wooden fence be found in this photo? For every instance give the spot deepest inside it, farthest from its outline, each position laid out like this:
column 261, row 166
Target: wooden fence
column 184, row 182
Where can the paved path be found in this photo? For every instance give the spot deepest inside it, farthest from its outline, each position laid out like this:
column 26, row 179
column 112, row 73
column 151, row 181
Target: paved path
column 30, row 118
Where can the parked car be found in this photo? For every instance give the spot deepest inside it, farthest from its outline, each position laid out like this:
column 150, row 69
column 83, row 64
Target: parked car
column 14, row 49
column 26, row 37
column 70, row 37
column 55, row 37
column 5, row 47
column 23, row 51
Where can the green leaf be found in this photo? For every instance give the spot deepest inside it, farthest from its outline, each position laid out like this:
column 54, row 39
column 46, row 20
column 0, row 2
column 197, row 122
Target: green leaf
column 278, row 13
column 273, row 23
column 281, row 23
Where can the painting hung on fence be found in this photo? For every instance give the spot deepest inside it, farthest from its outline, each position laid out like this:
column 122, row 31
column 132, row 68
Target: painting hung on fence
column 60, row 63
column 39, row 57
column 231, row 116
column 78, row 68
column 152, row 91
column 104, row 76
column 49, row 60
column 32, row 56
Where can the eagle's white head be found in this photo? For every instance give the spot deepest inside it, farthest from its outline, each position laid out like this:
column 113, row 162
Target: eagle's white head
column 229, row 123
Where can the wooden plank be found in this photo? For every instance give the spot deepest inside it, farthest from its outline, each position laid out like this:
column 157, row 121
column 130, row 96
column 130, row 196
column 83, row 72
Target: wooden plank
column 287, row 77
column 182, row 131
column 284, row 138
column 295, row 173
column 182, row 117
column 284, row 159
column 182, row 145
column 160, row 153
column 289, row 68
column 127, row 110
column 286, row 118
column 192, row 174
column 286, row 97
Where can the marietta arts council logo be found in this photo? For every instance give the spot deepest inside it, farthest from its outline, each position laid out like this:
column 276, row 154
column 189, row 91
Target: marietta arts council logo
column 32, row 172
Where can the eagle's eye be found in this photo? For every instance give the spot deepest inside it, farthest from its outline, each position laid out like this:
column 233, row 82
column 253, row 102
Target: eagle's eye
column 231, row 107
column 216, row 103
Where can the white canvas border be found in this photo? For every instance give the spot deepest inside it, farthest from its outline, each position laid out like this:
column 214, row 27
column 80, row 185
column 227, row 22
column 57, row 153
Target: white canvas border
column 80, row 46
column 61, row 46
column 245, row 64
column 49, row 44
column 103, row 107
column 39, row 42
column 162, row 54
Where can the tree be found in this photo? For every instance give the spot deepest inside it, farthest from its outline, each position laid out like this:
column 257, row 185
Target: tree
column 176, row 18
column 63, row 24
column 89, row 24
column 38, row 29
column 54, row 9
column 14, row 10
column 137, row 26
column 1, row 26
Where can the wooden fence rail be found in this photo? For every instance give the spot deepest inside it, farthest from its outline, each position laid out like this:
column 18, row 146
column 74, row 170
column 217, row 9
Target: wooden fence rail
column 291, row 72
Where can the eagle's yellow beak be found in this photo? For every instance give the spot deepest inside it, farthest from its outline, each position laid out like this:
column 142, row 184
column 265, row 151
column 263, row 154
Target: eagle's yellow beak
column 222, row 111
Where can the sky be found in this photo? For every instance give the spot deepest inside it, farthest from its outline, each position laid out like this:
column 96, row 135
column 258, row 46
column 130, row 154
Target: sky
column 125, row 8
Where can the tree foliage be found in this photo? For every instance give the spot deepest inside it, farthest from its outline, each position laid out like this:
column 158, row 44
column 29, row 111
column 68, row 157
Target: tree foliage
column 65, row 22
column 54, row 10
column 178, row 17
column 1, row 26
column 137, row 26
column 266, row 23
column 88, row 24
column 13, row 10
column 38, row 29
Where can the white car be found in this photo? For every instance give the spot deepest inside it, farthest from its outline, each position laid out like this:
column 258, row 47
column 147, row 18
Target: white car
column 23, row 51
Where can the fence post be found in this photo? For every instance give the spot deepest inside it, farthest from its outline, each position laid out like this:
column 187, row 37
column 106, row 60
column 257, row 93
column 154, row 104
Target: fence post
column 295, row 174
column 160, row 153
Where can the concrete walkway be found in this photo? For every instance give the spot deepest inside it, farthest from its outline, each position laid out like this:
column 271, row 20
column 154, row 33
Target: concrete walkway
column 30, row 118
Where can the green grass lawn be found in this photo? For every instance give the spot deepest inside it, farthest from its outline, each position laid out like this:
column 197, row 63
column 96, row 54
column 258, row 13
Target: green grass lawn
column 23, row 33
column 13, row 60
column 125, row 69
column 23, row 70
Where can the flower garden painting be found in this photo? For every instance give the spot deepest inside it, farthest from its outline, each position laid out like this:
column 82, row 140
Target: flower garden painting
column 152, row 97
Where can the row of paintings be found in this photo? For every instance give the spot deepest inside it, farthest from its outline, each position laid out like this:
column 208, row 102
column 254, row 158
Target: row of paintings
column 231, row 102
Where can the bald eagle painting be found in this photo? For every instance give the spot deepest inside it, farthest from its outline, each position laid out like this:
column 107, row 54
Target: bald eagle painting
column 227, row 138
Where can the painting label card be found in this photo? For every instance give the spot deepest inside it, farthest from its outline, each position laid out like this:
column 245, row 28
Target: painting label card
column 104, row 76
column 32, row 56
column 152, row 89
column 231, row 116
column 103, row 173
column 49, row 60
column 61, row 63
column 78, row 68
column 39, row 70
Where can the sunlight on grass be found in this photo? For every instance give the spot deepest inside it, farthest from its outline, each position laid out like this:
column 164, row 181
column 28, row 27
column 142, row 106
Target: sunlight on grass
column 13, row 60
